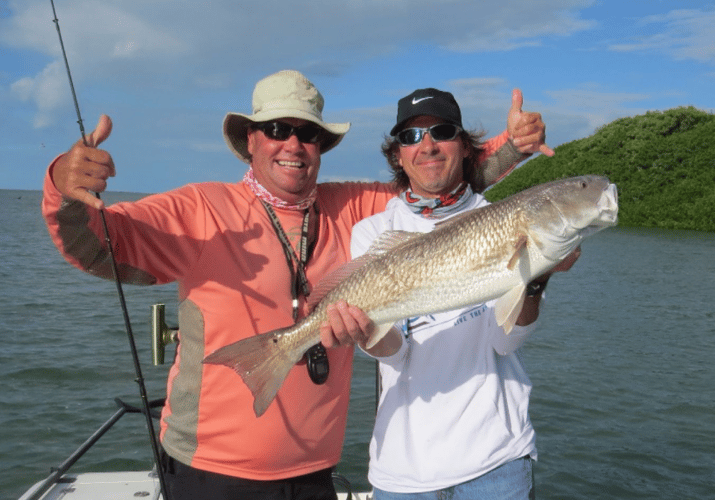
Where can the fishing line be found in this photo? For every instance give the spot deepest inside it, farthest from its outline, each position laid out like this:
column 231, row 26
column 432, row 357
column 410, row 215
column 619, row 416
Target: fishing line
column 120, row 291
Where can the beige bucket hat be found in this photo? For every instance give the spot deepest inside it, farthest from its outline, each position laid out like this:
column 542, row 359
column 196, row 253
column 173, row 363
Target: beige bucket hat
column 286, row 94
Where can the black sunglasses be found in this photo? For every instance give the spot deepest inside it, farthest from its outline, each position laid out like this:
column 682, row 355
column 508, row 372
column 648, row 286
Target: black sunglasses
column 439, row 132
column 281, row 131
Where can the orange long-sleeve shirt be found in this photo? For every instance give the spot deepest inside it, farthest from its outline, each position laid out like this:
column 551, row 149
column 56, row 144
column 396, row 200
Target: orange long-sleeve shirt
column 216, row 240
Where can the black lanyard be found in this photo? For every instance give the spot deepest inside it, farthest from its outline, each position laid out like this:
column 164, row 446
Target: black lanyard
column 296, row 264
column 316, row 356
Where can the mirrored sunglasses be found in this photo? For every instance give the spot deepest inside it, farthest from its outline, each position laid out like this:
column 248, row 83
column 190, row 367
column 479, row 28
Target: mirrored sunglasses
column 439, row 132
column 281, row 131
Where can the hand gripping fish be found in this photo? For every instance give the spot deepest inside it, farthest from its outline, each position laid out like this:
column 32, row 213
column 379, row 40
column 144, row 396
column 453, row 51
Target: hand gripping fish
column 484, row 254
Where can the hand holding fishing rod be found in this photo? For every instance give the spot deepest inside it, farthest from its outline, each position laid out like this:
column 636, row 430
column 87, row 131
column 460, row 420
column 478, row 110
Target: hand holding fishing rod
column 85, row 168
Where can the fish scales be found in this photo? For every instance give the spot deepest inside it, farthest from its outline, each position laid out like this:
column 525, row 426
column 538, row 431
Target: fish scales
column 484, row 254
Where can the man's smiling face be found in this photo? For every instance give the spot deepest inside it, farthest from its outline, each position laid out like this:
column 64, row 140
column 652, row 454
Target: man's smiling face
column 434, row 168
column 287, row 169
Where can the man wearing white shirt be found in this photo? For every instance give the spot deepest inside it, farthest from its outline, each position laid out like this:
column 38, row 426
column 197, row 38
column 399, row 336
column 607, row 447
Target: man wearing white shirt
column 453, row 412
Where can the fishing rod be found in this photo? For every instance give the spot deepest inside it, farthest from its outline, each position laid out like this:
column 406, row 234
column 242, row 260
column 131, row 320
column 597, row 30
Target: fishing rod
column 127, row 323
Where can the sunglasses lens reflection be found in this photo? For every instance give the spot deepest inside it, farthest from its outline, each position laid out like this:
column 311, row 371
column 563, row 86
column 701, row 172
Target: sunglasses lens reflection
column 280, row 131
column 440, row 132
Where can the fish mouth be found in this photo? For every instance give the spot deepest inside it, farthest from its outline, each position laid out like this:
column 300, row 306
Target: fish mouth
column 608, row 207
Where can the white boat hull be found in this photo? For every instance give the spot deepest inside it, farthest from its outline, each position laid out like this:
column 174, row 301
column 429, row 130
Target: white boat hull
column 118, row 486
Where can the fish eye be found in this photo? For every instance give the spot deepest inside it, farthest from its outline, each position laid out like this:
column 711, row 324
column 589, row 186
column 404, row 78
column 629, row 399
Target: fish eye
column 584, row 184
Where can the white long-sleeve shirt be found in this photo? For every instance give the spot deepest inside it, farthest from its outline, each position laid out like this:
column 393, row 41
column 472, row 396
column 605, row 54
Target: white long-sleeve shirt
column 455, row 397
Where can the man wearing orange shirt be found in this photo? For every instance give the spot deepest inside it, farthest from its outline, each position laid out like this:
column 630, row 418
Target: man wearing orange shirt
column 245, row 256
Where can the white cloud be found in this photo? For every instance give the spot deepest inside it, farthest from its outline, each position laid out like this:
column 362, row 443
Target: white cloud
column 215, row 81
column 96, row 36
column 682, row 34
column 208, row 147
column 483, row 91
column 526, row 29
column 47, row 90
column 590, row 97
column 241, row 32
column 176, row 67
column 590, row 107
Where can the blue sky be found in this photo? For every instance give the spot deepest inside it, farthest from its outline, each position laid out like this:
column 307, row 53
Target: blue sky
column 168, row 71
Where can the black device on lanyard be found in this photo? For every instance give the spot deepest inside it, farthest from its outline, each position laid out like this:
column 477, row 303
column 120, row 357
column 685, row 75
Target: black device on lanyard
column 316, row 357
column 318, row 366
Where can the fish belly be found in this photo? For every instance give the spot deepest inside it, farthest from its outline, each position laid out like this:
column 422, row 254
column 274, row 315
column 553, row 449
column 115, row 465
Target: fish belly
column 445, row 295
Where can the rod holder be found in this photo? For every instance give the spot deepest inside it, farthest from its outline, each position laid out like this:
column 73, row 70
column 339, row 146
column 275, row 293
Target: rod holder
column 161, row 335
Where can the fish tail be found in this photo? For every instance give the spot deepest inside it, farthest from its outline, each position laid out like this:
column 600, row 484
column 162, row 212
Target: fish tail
column 262, row 362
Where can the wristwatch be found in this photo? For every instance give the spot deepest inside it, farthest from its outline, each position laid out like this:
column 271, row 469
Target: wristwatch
column 536, row 288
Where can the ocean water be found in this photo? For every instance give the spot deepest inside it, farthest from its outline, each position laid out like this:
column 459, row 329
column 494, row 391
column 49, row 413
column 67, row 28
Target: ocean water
column 622, row 366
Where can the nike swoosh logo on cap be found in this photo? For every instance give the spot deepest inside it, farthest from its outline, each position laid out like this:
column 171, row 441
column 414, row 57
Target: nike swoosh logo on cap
column 415, row 100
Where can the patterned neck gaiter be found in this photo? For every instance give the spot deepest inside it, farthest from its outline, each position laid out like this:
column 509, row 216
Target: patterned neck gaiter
column 436, row 208
column 263, row 194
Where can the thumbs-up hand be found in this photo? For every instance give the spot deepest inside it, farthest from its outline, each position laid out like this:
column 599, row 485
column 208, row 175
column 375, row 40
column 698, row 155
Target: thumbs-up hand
column 85, row 168
column 526, row 129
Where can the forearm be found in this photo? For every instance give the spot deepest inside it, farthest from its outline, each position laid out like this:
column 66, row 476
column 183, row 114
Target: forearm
column 144, row 249
column 529, row 312
column 500, row 162
column 530, row 309
column 74, row 232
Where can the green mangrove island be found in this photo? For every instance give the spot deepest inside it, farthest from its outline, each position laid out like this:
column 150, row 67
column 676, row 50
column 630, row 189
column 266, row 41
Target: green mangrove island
column 662, row 162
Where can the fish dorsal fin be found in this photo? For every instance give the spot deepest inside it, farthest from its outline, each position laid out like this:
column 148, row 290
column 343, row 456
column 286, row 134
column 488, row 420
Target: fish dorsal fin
column 453, row 219
column 389, row 240
column 333, row 278
column 385, row 242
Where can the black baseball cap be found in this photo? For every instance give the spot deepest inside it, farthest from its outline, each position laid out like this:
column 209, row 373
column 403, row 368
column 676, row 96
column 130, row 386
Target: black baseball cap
column 430, row 102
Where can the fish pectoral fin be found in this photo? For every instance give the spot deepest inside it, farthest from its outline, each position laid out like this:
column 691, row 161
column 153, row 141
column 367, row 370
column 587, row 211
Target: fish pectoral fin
column 378, row 334
column 519, row 246
column 262, row 362
column 508, row 307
